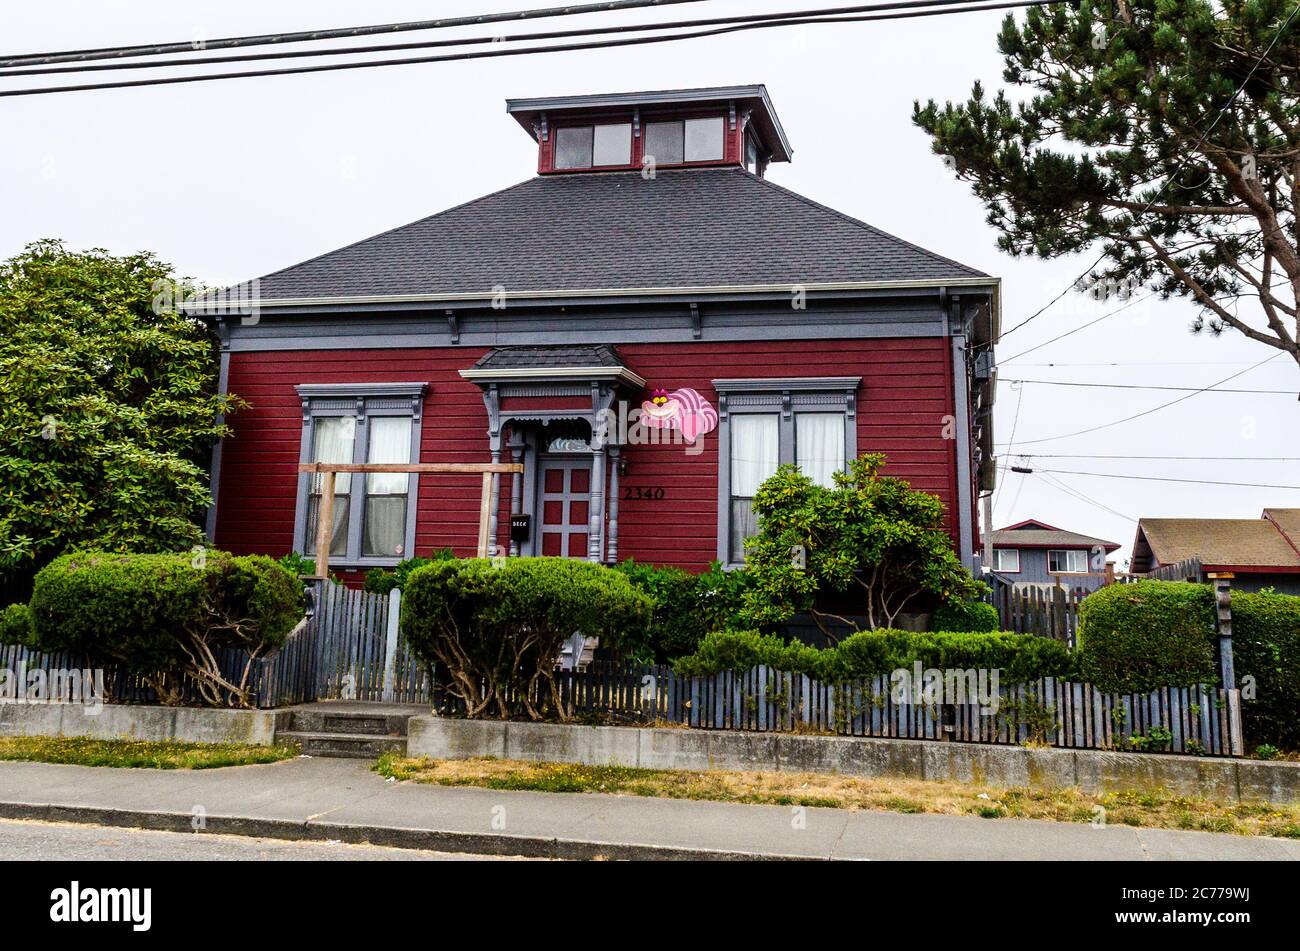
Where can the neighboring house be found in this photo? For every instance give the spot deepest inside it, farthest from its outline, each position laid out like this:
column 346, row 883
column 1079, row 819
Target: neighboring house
column 1260, row 552
column 648, row 271
column 1035, row 553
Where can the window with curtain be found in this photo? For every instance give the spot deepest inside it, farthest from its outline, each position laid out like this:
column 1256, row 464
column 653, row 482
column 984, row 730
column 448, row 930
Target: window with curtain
column 373, row 512
column 333, row 439
column 384, row 521
column 819, row 446
column 755, row 454
column 809, row 422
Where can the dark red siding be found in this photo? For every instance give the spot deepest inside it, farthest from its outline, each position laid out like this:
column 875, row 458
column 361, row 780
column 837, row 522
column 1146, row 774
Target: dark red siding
column 906, row 393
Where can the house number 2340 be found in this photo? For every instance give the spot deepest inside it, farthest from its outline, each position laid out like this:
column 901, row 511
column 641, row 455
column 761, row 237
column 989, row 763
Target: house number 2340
column 634, row 492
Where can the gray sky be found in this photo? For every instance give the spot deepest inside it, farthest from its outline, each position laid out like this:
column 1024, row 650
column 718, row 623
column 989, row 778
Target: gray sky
column 237, row 178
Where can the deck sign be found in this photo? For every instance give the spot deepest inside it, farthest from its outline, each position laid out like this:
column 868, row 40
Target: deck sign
column 77, row 904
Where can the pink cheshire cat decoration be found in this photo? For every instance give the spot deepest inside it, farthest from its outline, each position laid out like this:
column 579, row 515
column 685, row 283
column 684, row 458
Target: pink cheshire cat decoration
column 683, row 410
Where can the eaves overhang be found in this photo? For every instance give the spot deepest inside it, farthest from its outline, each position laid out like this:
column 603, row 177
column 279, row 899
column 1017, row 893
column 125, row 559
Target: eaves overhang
column 219, row 307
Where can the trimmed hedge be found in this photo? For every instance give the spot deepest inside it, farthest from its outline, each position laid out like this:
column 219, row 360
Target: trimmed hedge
column 1021, row 657
column 685, row 606
column 1136, row 637
column 1266, row 646
column 494, row 632
column 164, row 617
column 966, row 616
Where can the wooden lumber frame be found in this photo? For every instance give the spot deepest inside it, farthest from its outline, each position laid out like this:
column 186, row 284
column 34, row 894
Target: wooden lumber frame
column 329, row 470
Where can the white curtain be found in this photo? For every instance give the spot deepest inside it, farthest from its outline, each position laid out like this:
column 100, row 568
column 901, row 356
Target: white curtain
column 819, row 446
column 755, row 453
column 385, row 519
column 332, row 441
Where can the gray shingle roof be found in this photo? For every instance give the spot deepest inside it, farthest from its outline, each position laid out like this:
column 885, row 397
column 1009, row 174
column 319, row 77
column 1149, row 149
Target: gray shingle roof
column 1047, row 538
column 516, row 358
column 688, row 228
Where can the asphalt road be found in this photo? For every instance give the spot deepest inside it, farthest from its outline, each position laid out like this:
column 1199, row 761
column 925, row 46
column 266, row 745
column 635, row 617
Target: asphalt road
column 66, row 841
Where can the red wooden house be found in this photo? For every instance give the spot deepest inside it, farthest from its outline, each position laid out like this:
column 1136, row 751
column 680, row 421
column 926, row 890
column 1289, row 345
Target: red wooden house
column 649, row 326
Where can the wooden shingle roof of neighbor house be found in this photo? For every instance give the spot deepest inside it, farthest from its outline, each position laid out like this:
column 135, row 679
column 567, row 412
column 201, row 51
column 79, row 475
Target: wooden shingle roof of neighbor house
column 1035, row 534
column 617, row 231
column 1222, row 542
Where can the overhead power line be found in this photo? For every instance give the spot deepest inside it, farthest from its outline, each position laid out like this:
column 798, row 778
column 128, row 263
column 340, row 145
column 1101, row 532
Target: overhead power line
column 1148, row 412
column 479, row 40
column 266, row 39
column 1116, row 475
column 1143, row 386
column 1075, row 330
column 944, row 7
column 1075, row 455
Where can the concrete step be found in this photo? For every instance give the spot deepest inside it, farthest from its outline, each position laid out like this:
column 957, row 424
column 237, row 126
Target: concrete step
column 344, row 745
column 368, row 724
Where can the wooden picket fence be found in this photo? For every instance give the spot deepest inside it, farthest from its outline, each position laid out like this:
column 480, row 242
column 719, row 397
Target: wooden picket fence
column 1047, row 612
column 1202, row 720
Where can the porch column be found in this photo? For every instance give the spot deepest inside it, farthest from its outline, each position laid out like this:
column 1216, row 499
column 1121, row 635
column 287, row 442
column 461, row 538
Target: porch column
column 516, row 483
column 493, row 538
column 596, row 516
column 611, row 550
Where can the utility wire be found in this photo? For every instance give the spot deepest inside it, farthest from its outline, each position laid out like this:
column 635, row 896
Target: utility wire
column 486, row 54
column 1148, row 412
column 1075, row 330
column 233, row 42
column 1071, row 455
column 1141, row 386
column 1116, row 475
column 477, row 40
column 1062, row 486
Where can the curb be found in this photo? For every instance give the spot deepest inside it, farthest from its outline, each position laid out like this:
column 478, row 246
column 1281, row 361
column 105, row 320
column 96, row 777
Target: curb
column 479, row 843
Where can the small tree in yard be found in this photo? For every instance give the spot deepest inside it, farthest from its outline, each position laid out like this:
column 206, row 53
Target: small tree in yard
column 495, row 633
column 872, row 537
column 108, row 410
column 166, row 618
column 1165, row 131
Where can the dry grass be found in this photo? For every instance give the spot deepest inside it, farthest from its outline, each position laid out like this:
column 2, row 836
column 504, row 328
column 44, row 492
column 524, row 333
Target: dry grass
column 1158, row 809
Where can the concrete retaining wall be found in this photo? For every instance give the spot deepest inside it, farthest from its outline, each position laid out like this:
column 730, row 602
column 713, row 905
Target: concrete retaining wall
column 1090, row 770
column 159, row 724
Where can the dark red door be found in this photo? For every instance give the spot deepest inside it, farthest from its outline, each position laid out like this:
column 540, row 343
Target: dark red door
column 565, row 504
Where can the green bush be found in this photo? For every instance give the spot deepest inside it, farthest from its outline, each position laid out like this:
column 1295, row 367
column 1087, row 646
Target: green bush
column 685, row 606
column 495, row 632
column 16, row 625
column 1020, row 657
column 382, row 581
column 1266, row 646
column 165, row 617
column 741, row 650
column 1136, row 637
column 966, row 616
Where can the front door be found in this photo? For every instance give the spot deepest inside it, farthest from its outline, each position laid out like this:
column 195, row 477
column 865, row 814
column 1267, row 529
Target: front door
column 564, row 494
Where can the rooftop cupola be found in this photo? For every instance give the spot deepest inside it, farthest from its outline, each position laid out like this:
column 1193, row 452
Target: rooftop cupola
column 679, row 128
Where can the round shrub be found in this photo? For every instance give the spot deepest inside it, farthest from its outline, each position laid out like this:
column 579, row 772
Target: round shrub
column 165, row 617
column 1137, row 637
column 966, row 616
column 496, row 632
column 1266, row 646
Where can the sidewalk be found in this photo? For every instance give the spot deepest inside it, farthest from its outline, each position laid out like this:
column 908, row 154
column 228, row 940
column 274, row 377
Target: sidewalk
column 343, row 800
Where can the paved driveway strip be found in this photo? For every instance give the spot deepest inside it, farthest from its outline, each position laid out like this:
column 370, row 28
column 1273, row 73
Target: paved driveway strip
column 345, row 800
